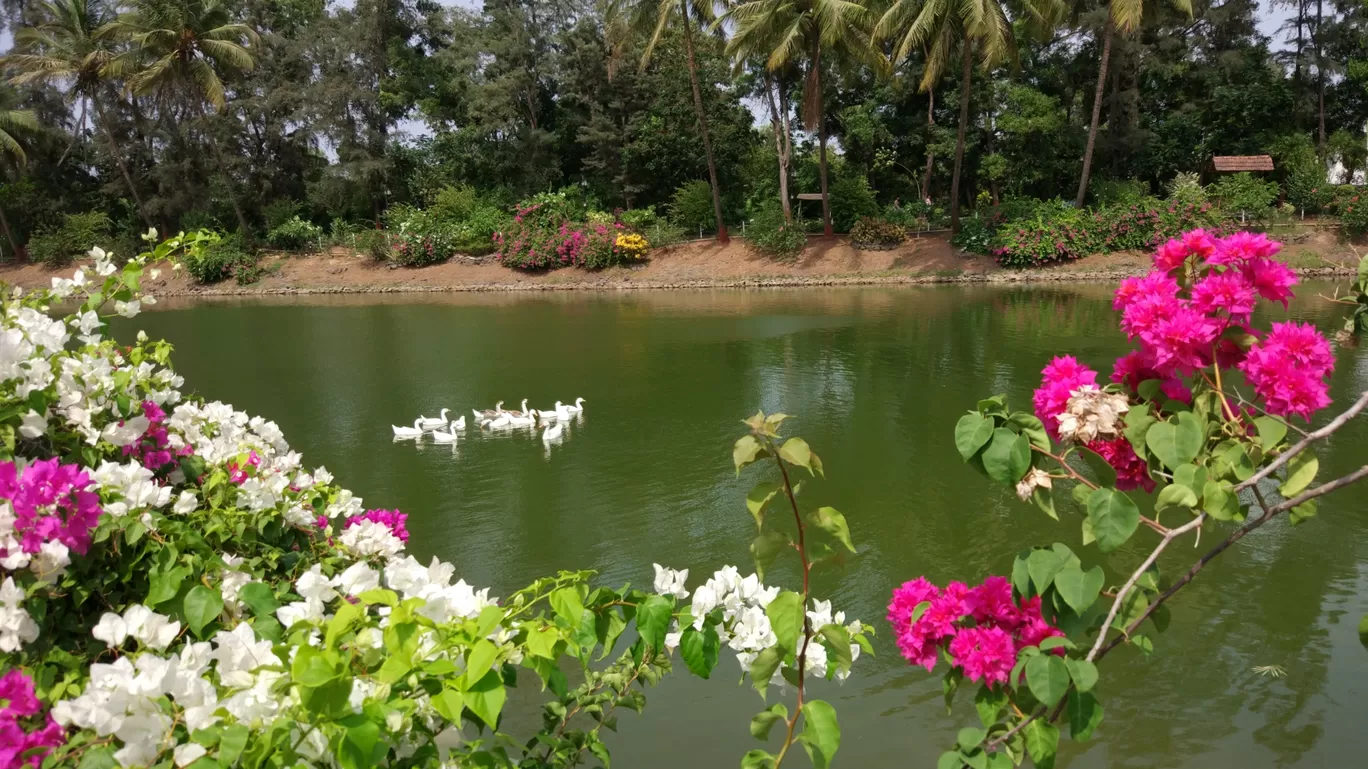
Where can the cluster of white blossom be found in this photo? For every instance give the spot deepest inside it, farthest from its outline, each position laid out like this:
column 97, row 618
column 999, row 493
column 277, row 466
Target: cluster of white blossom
column 745, row 627
column 16, row 625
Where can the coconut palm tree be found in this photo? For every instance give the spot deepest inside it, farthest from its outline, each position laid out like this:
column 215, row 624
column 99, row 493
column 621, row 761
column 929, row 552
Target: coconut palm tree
column 62, row 47
column 1122, row 16
column 625, row 17
column 786, row 32
column 179, row 51
column 970, row 28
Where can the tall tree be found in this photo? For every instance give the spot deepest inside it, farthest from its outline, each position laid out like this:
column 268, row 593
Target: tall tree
column 625, row 16
column 62, row 47
column 179, row 50
column 816, row 33
column 12, row 123
column 941, row 27
column 1122, row 17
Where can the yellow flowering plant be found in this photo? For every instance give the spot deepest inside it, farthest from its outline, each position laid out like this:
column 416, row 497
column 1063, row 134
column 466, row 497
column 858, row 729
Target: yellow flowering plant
column 632, row 246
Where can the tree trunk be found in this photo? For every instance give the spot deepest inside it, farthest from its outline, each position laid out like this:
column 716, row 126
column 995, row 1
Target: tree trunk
column 1320, row 84
column 930, row 134
column 722, row 236
column 778, row 126
column 1301, row 24
column 968, row 51
column 227, row 179
column 822, row 141
column 1096, row 115
column 119, row 161
column 9, row 235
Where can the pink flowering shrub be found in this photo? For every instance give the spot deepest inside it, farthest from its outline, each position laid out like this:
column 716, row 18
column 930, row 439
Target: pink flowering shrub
column 51, row 509
column 1197, row 414
column 1063, row 236
column 27, row 735
column 393, row 520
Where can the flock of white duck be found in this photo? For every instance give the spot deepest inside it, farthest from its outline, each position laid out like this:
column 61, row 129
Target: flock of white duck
column 442, row 430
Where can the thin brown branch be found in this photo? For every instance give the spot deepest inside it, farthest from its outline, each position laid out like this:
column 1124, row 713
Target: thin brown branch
column 1301, row 445
column 1236, row 536
column 807, row 623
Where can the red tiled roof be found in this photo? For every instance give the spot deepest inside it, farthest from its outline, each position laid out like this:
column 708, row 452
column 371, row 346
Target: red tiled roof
column 1226, row 163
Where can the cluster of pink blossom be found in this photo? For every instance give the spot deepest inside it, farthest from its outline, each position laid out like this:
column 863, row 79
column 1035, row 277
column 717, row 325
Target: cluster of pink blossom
column 394, row 520
column 1064, row 375
column 50, row 503
column 153, row 448
column 18, row 703
column 986, row 648
column 1179, row 335
column 1287, row 369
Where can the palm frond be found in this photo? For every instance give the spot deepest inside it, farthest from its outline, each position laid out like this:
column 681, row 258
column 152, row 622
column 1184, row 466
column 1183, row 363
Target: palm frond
column 10, row 146
column 207, row 80
column 229, row 54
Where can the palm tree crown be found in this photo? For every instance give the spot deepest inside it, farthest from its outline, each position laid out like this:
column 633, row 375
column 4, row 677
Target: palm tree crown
column 179, row 45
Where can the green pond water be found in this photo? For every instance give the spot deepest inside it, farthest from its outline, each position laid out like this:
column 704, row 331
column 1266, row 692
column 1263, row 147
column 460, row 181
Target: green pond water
column 876, row 379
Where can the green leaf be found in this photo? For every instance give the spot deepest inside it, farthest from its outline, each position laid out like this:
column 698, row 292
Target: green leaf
column 1031, row 427
column 358, row 743
column 1176, row 495
column 486, row 698
column 1363, row 621
column 699, row 649
column 821, row 733
column 989, row 705
column 541, row 642
column 838, row 646
column 1055, row 642
column 1176, row 444
column 1021, row 575
column 1007, row 457
column 165, row 584
column 568, row 606
column 201, row 606
column 795, row 451
column 231, row 743
column 1219, row 502
column 1301, row 470
column 1043, row 564
column 653, row 619
column 1236, row 460
column 1048, row 677
column 765, row 548
column 1271, row 431
column 1083, row 673
column 481, row 659
column 996, row 404
column 760, row 496
column 970, row 737
column 1114, row 518
column 259, row 598
column 972, row 433
column 950, row 759
column 1042, row 742
column 762, row 669
column 1079, row 588
column 747, row 450
column 1302, row 512
column 313, row 668
column 1084, row 715
column 757, row 759
column 765, row 720
column 1044, row 499
column 1106, row 474
column 830, row 520
column 785, row 614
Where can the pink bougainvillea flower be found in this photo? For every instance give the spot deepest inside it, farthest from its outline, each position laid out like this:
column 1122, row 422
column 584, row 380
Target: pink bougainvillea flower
column 1131, row 471
column 1272, row 279
column 1171, row 255
column 1240, row 247
column 992, row 602
column 986, row 654
column 1225, row 292
column 394, row 520
column 1288, row 370
column 1181, row 341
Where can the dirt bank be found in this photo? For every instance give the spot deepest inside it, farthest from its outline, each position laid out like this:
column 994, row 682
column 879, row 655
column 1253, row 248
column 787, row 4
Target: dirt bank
column 825, row 262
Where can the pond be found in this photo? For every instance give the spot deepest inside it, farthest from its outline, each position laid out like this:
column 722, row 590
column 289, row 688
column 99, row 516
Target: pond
column 875, row 379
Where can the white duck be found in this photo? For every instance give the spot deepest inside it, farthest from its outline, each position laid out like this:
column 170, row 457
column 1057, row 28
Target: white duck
column 577, row 407
column 487, row 414
column 546, row 417
column 448, row 437
column 553, row 433
column 459, row 424
column 563, row 412
column 521, row 419
column 409, row 432
column 497, row 423
column 522, row 413
column 432, row 423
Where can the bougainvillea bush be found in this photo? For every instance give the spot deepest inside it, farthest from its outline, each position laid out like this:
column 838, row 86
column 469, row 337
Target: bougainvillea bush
column 1204, row 416
column 543, row 237
column 1055, row 236
column 177, row 587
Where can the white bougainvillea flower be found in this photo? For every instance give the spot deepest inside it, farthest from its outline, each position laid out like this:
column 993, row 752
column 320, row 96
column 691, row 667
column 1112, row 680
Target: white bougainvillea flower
column 127, row 432
column 34, row 424
column 188, row 753
column 670, row 582
column 16, row 626
column 357, row 579
column 111, row 629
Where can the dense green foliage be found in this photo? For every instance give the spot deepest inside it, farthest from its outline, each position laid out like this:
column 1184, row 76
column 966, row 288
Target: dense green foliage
column 335, row 112
column 871, row 231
